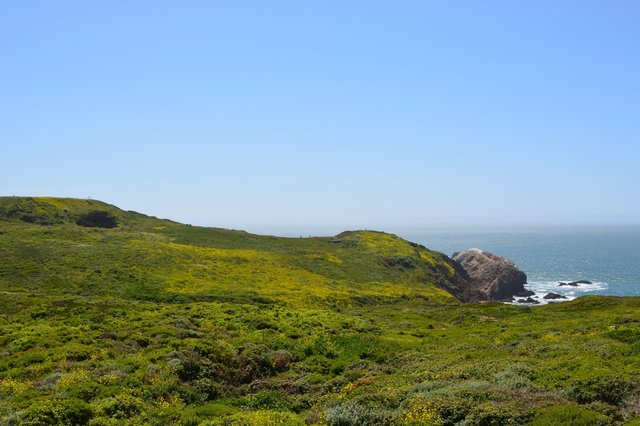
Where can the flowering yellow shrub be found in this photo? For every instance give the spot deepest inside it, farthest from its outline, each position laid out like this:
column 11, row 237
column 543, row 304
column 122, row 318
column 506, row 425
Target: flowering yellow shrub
column 190, row 269
column 420, row 413
column 73, row 377
column 385, row 243
column 13, row 387
column 360, row 382
column 551, row 338
column 109, row 378
column 258, row 418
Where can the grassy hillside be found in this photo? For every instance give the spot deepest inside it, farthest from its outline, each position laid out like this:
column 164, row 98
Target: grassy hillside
column 155, row 322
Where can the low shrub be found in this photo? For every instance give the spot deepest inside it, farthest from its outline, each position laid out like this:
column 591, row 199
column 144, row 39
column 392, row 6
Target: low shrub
column 354, row 414
column 209, row 389
column 421, row 413
column 257, row 418
column 57, row 412
column 273, row 400
column 612, row 390
column 631, row 406
column 574, row 415
column 489, row 415
column 516, row 376
column 625, row 335
column 452, row 410
column 121, row 406
column 281, row 360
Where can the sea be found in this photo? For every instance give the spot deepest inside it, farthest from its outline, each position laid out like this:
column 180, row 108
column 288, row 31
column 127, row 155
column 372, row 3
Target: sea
column 609, row 257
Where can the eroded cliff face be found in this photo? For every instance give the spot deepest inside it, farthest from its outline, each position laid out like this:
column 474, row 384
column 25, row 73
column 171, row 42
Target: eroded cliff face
column 489, row 277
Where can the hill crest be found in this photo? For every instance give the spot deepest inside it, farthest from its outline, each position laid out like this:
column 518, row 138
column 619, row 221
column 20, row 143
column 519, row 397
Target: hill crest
column 171, row 261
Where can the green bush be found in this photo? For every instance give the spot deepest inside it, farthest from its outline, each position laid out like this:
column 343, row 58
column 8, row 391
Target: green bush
column 452, row 410
column 121, row 406
column 69, row 412
column 494, row 415
column 209, row 389
column 85, row 391
column 561, row 415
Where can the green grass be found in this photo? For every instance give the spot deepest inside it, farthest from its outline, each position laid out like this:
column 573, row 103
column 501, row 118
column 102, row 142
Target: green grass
column 155, row 322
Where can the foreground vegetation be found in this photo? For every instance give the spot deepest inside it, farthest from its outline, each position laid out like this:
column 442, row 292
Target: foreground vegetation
column 152, row 322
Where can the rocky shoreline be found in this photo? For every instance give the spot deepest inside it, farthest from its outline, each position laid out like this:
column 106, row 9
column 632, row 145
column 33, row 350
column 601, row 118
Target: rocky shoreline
column 488, row 277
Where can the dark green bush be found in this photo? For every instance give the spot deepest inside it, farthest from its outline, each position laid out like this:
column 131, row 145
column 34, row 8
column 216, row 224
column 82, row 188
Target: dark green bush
column 625, row 335
column 273, row 400
column 281, row 360
column 190, row 365
column 209, row 389
column 612, row 390
column 253, row 362
column 98, row 219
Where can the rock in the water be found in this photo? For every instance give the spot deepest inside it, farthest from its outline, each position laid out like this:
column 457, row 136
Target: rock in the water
column 529, row 300
column 574, row 283
column 525, row 293
column 554, row 296
column 491, row 277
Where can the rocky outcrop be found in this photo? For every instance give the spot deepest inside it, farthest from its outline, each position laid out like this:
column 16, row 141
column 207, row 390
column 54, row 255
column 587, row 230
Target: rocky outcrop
column 553, row 296
column 490, row 277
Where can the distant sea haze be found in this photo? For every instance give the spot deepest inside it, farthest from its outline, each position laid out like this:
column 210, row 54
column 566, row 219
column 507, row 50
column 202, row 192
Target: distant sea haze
column 609, row 257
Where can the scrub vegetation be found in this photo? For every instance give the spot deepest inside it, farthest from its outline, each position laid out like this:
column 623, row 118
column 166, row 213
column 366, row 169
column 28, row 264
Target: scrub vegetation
column 110, row 317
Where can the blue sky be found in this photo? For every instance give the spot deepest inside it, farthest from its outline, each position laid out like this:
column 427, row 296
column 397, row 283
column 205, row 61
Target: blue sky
column 327, row 115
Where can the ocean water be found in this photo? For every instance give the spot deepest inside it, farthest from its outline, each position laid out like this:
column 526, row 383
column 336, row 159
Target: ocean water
column 608, row 257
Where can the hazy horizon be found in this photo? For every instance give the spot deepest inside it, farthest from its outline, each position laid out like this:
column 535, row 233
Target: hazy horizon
column 288, row 115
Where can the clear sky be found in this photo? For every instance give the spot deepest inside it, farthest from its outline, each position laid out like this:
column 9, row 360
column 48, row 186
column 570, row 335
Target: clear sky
column 327, row 114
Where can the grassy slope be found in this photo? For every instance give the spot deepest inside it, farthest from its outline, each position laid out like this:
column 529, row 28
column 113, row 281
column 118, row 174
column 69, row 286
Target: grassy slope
column 158, row 322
